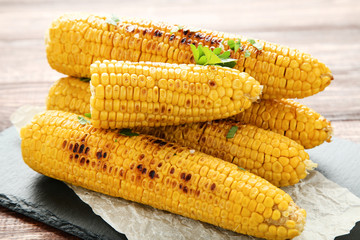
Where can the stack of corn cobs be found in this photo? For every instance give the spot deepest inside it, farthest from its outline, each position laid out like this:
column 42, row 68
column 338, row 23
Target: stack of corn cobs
column 154, row 113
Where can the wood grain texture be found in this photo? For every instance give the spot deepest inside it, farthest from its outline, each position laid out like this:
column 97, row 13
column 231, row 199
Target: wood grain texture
column 16, row 226
column 327, row 29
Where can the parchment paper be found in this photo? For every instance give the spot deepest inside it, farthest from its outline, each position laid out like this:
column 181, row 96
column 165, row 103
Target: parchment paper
column 331, row 210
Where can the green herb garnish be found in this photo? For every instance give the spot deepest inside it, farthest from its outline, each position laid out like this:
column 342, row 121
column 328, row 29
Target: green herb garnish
column 256, row 45
column 242, row 168
column 235, row 45
column 85, row 79
column 127, row 132
column 232, row 132
column 251, row 41
column 88, row 115
column 204, row 56
column 247, row 53
column 115, row 140
column 176, row 29
column 113, row 20
column 83, row 120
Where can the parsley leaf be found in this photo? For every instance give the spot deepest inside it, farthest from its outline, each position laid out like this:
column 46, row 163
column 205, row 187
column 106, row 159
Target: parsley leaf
column 88, row 115
column 83, row 120
column 235, row 45
column 127, row 132
column 115, row 140
column 247, row 53
column 232, row 132
column 251, row 41
column 204, row 56
column 242, row 168
column 85, row 79
column 231, row 44
column 258, row 46
column 113, row 20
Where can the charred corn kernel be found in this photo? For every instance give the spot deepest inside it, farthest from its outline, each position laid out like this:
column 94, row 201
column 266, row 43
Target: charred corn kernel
column 157, row 92
column 289, row 118
column 277, row 67
column 69, row 94
column 133, row 168
column 252, row 148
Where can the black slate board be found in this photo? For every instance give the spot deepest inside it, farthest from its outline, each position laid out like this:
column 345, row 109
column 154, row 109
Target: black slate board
column 52, row 202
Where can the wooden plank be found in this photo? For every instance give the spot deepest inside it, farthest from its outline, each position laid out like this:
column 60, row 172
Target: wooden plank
column 30, row 229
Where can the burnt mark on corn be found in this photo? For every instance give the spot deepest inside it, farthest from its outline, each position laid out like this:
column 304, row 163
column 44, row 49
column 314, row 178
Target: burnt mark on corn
column 207, row 38
column 172, row 170
column 212, row 83
column 159, row 165
column 182, row 176
column 81, row 149
column 64, row 144
column 159, row 142
column 197, row 193
column 144, row 171
column 163, row 109
column 180, row 186
column 71, row 146
column 158, row 33
column 188, row 177
column 76, row 156
column 87, row 162
column 185, row 189
column 121, row 173
column 141, row 157
column 82, row 161
column 76, row 146
column 99, row 154
column 213, row 40
column 172, row 37
column 186, row 31
column 183, row 41
column 212, row 187
column 104, row 167
column 87, row 149
column 104, row 155
column 152, row 174
column 139, row 167
column 83, row 138
column 71, row 157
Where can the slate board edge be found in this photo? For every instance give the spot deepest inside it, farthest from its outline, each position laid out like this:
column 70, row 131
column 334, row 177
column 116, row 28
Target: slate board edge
column 10, row 202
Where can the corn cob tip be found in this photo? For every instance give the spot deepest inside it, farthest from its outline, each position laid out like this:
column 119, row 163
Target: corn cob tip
column 310, row 165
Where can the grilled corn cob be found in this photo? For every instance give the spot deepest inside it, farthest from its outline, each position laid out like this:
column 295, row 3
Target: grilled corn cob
column 127, row 94
column 148, row 170
column 252, row 148
column 74, row 41
column 70, row 95
column 290, row 119
column 282, row 116
column 278, row 159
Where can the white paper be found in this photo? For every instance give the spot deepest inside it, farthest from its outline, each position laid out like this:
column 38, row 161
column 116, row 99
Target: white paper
column 331, row 209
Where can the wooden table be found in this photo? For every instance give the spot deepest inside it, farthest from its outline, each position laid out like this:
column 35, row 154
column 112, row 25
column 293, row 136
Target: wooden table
column 329, row 30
